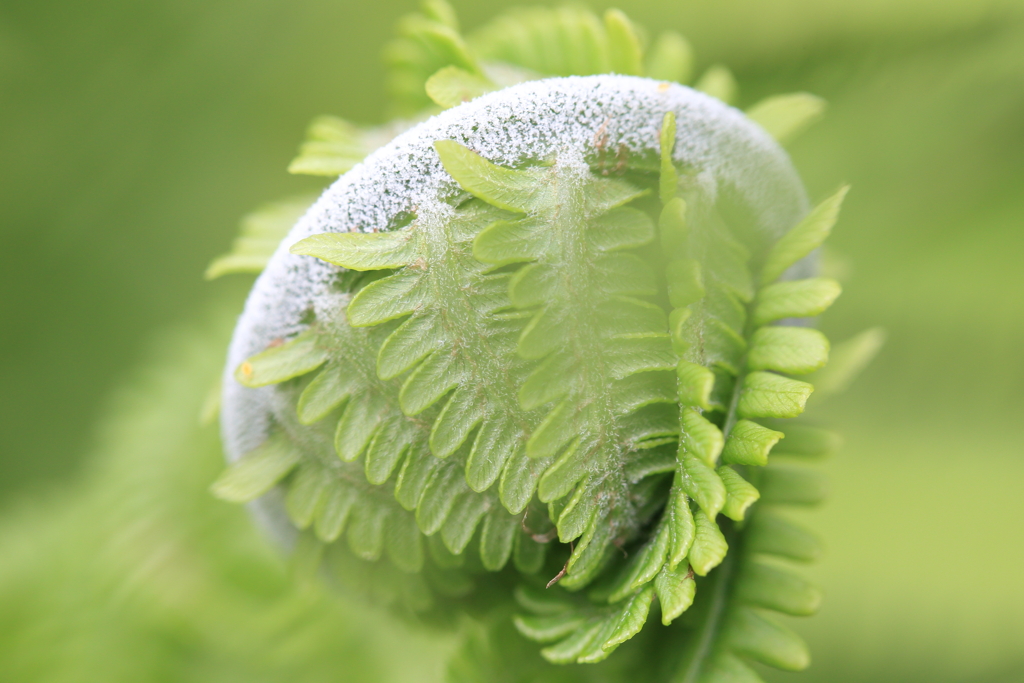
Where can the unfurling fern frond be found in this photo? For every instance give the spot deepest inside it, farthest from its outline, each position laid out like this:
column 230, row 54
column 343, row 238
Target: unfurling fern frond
column 544, row 345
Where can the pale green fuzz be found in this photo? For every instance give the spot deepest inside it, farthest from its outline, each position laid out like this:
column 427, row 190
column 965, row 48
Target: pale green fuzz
column 565, row 360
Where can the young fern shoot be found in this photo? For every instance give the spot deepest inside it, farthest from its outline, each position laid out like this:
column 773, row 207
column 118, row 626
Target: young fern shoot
column 534, row 354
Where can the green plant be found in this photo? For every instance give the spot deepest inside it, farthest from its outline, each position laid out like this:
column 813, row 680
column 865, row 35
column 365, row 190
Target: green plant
column 463, row 360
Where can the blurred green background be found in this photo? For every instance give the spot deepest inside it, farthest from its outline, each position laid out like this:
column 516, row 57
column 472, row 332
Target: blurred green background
column 133, row 136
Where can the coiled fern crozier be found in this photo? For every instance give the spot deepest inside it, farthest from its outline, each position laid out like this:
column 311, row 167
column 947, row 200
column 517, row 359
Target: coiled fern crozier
column 527, row 361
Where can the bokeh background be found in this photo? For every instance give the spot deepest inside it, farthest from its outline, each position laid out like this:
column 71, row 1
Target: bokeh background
column 133, row 136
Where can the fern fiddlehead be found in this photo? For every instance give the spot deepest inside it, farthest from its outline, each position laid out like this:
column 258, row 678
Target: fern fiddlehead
column 550, row 313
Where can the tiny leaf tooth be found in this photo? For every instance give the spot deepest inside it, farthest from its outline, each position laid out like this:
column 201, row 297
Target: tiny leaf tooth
column 451, row 86
column 328, row 390
column 438, row 374
column 552, row 379
column 778, row 589
column 519, row 480
column 386, row 299
column 624, row 49
column 334, row 511
column 673, row 229
column 807, row 236
column 695, row 384
column 497, row 538
column 502, row 187
column 701, row 438
column 677, row 330
column 668, row 180
column 404, row 544
column 675, row 590
column 671, row 58
column 740, row 494
column 414, row 339
column 361, row 251
column 366, row 531
column 567, row 651
column 386, row 448
column 460, row 416
column 632, row 355
column 443, row 488
column 495, row 443
column 806, row 441
column 542, row 335
column 718, row 82
column 413, row 478
column 359, row 422
column 752, row 635
column 685, row 282
column 723, row 346
column 590, row 556
column 294, row 358
column 795, row 299
column 768, row 395
column 784, row 117
column 642, row 389
column 631, row 619
column 332, row 147
column 681, row 524
column 304, row 494
column 461, row 523
column 542, row 601
column 793, row 486
column 625, row 317
column 627, row 274
column 621, row 228
column 726, row 666
column 709, row 545
column 527, row 553
column 510, row 241
column 257, row 471
column 749, row 444
column 771, row 534
column 702, row 484
column 560, row 478
column 650, row 422
column 548, row 628
column 533, row 285
column 792, row 350
column 642, row 566
column 556, row 430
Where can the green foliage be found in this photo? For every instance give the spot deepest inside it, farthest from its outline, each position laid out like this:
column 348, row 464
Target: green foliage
column 786, row 116
column 848, row 360
column 258, row 471
column 524, row 365
column 332, row 147
column 452, row 86
column 803, row 239
column 261, row 231
column 670, row 58
column 718, row 82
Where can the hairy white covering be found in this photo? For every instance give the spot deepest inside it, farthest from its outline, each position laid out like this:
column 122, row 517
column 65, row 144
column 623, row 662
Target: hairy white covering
column 530, row 121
